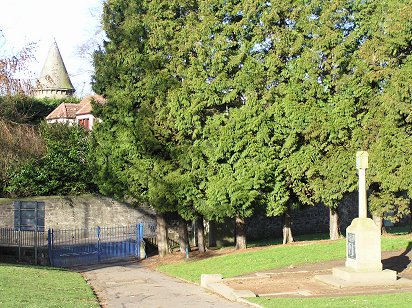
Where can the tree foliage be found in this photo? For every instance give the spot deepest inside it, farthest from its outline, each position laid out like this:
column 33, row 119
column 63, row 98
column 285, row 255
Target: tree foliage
column 387, row 57
column 218, row 107
column 23, row 109
column 13, row 64
column 21, row 141
column 63, row 170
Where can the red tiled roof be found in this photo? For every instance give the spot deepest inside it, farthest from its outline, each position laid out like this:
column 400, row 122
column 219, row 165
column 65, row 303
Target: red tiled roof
column 69, row 111
column 86, row 104
column 64, row 110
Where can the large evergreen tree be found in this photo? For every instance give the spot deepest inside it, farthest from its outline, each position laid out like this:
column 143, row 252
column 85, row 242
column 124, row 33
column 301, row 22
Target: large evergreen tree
column 216, row 107
column 386, row 55
column 323, row 104
column 137, row 148
column 222, row 113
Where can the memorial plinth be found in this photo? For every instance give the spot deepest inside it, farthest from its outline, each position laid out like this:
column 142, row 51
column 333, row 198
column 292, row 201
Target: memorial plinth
column 363, row 246
column 363, row 264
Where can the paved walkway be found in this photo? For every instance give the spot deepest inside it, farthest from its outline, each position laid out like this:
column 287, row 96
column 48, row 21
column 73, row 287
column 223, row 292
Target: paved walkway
column 131, row 285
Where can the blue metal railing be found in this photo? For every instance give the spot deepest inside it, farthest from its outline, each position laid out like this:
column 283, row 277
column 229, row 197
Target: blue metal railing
column 88, row 246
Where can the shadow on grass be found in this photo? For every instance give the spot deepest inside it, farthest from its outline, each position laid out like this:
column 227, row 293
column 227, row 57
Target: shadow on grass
column 298, row 238
column 74, row 268
column 399, row 263
column 32, row 266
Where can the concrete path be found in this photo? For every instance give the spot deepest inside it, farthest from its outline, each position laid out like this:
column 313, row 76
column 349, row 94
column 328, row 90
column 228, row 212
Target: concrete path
column 131, row 285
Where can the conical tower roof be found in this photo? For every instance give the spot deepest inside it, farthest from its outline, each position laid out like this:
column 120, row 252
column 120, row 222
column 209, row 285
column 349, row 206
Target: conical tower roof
column 54, row 75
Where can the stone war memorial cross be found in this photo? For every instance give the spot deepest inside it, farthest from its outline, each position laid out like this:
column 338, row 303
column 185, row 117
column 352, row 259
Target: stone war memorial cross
column 363, row 237
column 363, row 264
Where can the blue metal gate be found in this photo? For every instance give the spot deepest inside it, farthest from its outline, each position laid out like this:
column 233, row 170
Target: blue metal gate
column 89, row 246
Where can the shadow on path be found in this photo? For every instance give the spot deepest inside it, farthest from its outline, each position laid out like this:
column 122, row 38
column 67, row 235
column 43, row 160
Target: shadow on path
column 97, row 266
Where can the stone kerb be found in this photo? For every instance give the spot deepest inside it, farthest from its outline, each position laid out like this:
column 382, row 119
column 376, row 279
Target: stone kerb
column 214, row 283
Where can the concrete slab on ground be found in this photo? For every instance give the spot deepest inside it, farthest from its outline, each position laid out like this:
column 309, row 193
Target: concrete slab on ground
column 373, row 280
column 299, row 280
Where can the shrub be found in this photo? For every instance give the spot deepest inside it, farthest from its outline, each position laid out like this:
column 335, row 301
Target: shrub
column 65, row 168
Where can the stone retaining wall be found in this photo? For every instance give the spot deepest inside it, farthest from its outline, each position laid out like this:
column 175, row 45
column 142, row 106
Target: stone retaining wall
column 311, row 219
column 83, row 211
column 89, row 211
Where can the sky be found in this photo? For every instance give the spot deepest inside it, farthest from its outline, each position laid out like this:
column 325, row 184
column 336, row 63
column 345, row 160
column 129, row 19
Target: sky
column 72, row 23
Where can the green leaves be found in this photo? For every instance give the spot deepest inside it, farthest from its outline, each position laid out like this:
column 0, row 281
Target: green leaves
column 64, row 170
column 216, row 107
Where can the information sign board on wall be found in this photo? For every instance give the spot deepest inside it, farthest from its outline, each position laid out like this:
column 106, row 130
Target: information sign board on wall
column 28, row 215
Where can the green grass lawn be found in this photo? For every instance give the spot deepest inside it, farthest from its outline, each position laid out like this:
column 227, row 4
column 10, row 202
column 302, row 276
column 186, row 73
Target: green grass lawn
column 272, row 257
column 398, row 300
column 29, row 286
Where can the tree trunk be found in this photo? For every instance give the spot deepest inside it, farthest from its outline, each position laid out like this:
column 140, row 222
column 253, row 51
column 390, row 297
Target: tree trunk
column 240, row 233
column 378, row 220
column 194, row 228
column 334, row 232
column 162, row 238
column 183, row 236
column 212, row 233
column 287, row 227
column 200, row 231
column 410, row 222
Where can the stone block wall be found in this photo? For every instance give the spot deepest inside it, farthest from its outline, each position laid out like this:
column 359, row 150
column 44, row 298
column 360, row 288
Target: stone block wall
column 312, row 219
column 87, row 211
column 83, row 211
column 6, row 214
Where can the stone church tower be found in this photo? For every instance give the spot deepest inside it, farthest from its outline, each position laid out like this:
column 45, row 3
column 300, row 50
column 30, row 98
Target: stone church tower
column 54, row 81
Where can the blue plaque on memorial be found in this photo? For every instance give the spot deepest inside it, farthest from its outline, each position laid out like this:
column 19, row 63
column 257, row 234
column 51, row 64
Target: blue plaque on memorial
column 351, row 246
